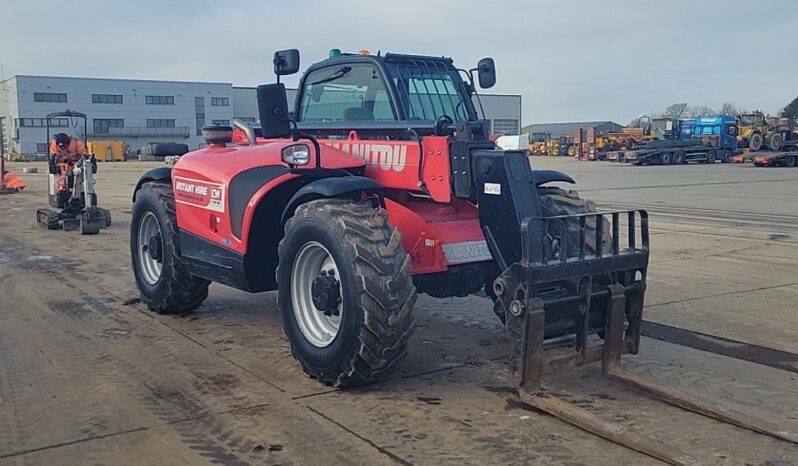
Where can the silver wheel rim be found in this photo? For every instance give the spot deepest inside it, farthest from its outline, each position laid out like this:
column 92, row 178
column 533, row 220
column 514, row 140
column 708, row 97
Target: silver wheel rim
column 149, row 267
column 317, row 327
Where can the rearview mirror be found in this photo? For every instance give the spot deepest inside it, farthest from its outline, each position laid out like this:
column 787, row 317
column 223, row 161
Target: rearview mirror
column 286, row 62
column 486, row 71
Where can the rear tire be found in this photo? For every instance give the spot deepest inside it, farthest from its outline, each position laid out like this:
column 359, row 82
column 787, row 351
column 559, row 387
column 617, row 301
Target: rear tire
column 727, row 156
column 790, row 162
column 774, row 142
column 678, row 157
column 666, row 158
column 711, row 156
column 362, row 336
column 162, row 277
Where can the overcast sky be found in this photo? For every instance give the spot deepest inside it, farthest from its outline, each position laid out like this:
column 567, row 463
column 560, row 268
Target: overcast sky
column 570, row 60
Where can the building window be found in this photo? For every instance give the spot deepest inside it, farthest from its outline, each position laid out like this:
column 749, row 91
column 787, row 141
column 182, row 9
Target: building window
column 199, row 112
column 160, row 123
column 505, row 126
column 220, row 101
column 49, row 97
column 248, row 119
column 106, row 99
column 101, row 125
column 41, row 147
column 42, row 122
column 221, row 122
column 159, row 100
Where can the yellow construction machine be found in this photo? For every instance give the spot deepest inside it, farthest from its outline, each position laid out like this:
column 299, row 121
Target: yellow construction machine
column 755, row 130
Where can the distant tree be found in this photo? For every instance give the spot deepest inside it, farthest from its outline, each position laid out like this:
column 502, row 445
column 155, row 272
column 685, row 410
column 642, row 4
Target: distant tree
column 729, row 108
column 676, row 110
column 791, row 110
column 700, row 110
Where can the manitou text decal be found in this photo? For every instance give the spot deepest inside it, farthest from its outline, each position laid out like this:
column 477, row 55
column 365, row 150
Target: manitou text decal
column 202, row 194
column 383, row 156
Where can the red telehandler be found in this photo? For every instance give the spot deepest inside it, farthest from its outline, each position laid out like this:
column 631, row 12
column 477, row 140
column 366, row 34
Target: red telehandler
column 383, row 183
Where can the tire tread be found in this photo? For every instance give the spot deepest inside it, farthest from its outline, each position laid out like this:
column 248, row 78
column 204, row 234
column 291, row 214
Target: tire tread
column 386, row 293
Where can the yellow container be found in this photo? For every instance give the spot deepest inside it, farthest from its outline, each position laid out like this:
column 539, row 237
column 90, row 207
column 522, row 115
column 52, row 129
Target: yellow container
column 108, row 151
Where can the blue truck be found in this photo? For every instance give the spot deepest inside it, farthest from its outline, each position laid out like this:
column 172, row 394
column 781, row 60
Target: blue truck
column 701, row 140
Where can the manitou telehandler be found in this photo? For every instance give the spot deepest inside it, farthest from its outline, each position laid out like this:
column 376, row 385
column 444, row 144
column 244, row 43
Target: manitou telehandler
column 383, row 183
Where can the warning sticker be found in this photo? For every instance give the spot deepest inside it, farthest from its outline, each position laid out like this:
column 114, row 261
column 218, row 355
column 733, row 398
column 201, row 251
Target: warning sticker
column 202, row 194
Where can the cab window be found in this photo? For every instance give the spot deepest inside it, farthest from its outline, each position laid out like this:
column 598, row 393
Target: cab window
column 345, row 92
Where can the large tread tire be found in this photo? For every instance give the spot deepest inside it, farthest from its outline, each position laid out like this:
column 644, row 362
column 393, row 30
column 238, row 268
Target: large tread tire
column 377, row 287
column 176, row 291
column 557, row 202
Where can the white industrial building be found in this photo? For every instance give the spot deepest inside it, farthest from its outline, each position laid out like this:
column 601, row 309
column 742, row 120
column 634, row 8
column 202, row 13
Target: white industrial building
column 140, row 112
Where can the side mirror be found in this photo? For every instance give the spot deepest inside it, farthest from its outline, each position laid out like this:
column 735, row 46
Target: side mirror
column 486, row 71
column 286, row 62
column 273, row 111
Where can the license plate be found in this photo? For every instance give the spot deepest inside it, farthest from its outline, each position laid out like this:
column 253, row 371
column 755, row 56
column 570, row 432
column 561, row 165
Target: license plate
column 467, row 251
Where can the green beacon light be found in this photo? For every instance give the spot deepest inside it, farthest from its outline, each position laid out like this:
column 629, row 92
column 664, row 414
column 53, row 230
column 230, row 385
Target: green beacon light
column 335, row 53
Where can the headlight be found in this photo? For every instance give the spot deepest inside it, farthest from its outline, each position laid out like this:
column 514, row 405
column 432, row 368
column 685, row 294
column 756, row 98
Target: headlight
column 296, row 154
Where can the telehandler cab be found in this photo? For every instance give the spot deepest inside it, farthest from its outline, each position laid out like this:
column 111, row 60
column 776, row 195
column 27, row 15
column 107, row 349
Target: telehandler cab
column 380, row 184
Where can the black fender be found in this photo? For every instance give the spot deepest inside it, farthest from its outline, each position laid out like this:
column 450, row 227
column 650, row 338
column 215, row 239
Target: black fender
column 329, row 187
column 156, row 174
column 541, row 177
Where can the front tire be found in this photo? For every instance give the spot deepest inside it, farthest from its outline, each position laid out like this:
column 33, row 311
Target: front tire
column 162, row 277
column 345, row 292
column 555, row 202
column 755, row 142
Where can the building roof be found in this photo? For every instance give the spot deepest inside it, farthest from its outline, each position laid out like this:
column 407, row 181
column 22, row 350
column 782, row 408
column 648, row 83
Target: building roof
column 567, row 128
column 86, row 78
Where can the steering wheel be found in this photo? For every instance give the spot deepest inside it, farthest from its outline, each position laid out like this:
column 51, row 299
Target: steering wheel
column 442, row 125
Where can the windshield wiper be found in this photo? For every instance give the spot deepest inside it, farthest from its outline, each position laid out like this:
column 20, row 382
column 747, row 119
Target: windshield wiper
column 340, row 73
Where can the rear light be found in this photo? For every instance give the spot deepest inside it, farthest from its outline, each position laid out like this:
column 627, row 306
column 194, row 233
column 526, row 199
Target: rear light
column 296, row 154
